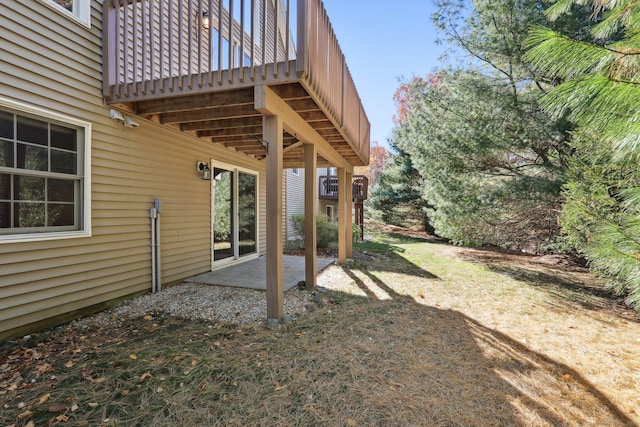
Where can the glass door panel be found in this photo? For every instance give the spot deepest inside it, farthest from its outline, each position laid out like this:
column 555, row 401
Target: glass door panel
column 247, row 215
column 223, row 218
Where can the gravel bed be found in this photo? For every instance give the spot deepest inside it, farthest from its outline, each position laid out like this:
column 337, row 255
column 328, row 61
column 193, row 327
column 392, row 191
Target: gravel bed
column 220, row 304
column 194, row 301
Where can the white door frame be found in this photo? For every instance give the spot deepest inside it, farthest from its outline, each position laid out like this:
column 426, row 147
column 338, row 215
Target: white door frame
column 236, row 258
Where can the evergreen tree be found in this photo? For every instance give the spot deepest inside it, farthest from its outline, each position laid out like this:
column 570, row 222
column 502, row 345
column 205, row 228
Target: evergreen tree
column 493, row 162
column 492, row 167
column 599, row 92
column 397, row 196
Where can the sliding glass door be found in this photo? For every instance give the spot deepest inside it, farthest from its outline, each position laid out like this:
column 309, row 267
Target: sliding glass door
column 234, row 213
column 247, row 213
column 223, row 218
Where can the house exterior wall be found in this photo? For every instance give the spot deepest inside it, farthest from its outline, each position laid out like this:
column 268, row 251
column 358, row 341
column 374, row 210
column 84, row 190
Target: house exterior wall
column 53, row 63
column 294, row 199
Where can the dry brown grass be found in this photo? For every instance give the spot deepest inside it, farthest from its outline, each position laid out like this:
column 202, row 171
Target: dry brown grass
column 413, row 333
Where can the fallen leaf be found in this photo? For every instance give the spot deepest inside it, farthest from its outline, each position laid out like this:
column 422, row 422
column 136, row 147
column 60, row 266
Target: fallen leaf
column 62, row 418
column 100, row 380
column 148, row 317
column 25, row 414
column 133, row 357
column 44, row 368
column 44, row 398
column 194, row 362
column 93, row 405
column 86, row 373
column 69, row 364
column 57, row 408
column 82, row 423
column 159, row 390
column 21, row 405
column 351, row 422
column 74, row 407
column 124, row 392
column 145, row 376
column 216, row 343
column 30, row 424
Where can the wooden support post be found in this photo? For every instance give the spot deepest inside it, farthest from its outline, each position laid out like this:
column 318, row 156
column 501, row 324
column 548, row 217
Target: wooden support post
column 275, row 288
column 349, row 213
column 344, row 199
column 310, row 213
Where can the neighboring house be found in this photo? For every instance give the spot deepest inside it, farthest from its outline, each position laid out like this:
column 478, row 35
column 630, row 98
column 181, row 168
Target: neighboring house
column 293, row 200
column 145, row 142
column 328, row 206
column 327, row 197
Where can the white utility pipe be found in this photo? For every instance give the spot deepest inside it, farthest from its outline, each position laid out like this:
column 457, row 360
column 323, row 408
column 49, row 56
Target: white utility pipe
column 158, row 207
column 153, row 215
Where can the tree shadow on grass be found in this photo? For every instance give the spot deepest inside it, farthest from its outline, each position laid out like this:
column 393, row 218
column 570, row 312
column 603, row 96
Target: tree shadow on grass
column 566, row 283
column 388, row 257
column 455, row 371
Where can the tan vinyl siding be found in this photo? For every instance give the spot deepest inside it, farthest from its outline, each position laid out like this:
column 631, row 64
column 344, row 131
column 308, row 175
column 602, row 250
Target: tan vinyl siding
column 54, row 63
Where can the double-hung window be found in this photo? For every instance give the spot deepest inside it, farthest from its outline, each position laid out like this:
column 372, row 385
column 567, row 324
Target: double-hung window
column 80, row 9
column 44, row 176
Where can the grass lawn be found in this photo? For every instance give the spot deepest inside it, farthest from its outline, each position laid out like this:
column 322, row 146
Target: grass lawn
column 413, row 333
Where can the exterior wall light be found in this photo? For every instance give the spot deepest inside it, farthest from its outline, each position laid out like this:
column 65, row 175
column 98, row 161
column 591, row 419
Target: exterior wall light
column 204, row 170
column 205, row 20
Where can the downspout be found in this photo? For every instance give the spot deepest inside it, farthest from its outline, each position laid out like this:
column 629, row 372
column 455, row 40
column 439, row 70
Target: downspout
column 153, row 215
column 158, row 207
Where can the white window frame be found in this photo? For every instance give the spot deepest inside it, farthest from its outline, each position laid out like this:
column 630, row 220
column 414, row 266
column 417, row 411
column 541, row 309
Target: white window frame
column 330, row 212
column 81, row 10
column 85, row 203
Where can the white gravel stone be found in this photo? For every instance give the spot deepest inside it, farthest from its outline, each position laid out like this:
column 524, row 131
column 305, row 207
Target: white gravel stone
column 220, row 304
column 204, row 302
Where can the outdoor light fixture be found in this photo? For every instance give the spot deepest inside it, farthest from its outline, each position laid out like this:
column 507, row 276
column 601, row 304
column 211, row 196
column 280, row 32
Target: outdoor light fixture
column 125, row 120
column 116, row 115
column 204, row 170
column 130, row 123
column 205, row 20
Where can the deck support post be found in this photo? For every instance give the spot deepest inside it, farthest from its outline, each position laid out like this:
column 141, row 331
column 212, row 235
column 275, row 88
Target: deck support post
column 275, row 276
column 310, row 214
column 349, row 214
column 343, row 200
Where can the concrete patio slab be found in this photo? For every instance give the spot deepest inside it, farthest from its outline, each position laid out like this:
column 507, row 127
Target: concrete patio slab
column 253, row 274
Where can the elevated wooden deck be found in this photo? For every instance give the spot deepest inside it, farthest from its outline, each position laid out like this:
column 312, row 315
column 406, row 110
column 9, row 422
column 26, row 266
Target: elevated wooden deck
column 194, row 65
column 328, row 187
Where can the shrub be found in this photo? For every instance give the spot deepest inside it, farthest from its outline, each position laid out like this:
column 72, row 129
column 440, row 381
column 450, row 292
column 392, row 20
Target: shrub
column 326, row 230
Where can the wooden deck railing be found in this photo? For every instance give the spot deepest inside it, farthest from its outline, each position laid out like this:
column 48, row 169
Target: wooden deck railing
column 161, row 48
column 329, row 187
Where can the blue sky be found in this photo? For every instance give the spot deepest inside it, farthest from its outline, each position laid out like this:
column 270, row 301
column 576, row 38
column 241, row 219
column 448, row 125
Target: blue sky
column 384, row 41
